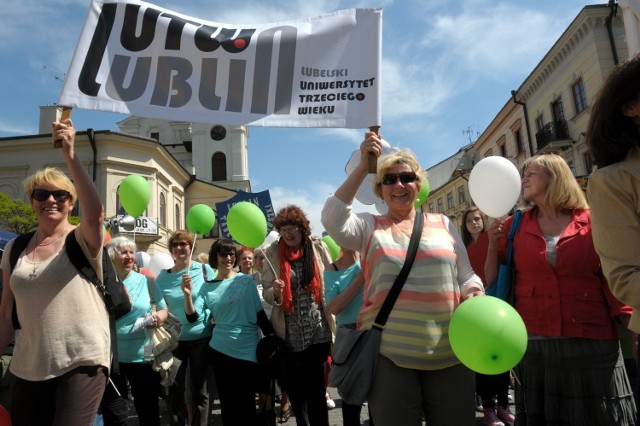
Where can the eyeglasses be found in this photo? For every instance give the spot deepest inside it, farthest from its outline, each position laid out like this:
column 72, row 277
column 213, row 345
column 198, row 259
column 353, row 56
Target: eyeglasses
column 44, row 194
column 225, row 255
column 392, row 178
column 180, row 244
column 289, row 230
column 258, row 258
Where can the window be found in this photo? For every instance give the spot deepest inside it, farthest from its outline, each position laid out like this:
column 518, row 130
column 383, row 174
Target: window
column 431, row 208
column 177, row 218
column 539, row 122
column 517, row 135
column 155, row 135
column 503, row 150
column 557, row 109
column 162, row 213
column 450, row 204
column 579, row 96
column 440, row 206
column 462, row 197
column 119, row 208
column 219, row 166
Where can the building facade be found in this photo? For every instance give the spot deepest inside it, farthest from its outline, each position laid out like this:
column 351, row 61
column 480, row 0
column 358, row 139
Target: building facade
column 185, row 164
column 550, row 110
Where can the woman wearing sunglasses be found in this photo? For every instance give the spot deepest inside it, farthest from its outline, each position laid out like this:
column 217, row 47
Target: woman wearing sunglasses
column 61, row 356
column 293, row 282
column 194, row 338
column 417, row 372
column 232, row 298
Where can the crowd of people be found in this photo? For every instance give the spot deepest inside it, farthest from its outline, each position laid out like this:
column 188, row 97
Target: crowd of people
column 576, row 263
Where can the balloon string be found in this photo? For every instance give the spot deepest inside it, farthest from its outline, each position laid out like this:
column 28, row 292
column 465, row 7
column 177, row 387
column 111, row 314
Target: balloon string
column 195, row 237
column 269, row 262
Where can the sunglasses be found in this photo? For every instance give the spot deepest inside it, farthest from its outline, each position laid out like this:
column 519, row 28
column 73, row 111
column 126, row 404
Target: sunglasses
column 44, row 194
column 180, row 244
column 225, row 255
column 288, row 230
column 392, row 178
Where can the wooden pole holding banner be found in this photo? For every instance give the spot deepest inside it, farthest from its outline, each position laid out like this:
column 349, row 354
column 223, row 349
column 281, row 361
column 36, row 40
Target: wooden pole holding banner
column 66, row 113
column 373, row 159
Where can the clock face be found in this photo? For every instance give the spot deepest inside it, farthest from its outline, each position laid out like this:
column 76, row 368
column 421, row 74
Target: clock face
column 218, row 133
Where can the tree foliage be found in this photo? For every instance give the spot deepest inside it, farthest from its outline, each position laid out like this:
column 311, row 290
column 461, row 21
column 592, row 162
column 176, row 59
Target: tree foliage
column 17, row 216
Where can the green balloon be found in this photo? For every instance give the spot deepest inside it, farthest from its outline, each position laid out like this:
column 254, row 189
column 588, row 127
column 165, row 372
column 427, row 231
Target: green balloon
column 135, row 193
column 334, row 249
column 487, row 335
column 423, row 194
column 200, row 219
column 247, row 224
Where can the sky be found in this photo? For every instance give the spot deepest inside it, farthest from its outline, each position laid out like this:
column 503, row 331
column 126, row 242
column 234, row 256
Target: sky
column 448, row 67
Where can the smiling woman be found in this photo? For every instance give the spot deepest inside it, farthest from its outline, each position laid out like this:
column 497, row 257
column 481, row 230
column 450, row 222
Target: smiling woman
column 294, row 284
column 63, row 344
column 415, row 355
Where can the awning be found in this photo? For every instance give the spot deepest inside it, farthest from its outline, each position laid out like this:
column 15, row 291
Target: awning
column 5, row 237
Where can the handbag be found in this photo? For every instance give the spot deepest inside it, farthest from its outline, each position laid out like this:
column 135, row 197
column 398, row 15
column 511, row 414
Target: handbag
column 164, row 340
column 504, row 286
column 355, row 352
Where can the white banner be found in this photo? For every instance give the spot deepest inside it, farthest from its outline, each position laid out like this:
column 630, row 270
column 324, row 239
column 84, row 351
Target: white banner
column 631, row 19
column 137, row 58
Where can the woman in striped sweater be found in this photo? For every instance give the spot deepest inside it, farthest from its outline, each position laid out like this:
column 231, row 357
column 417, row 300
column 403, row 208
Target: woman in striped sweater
column 417, row 372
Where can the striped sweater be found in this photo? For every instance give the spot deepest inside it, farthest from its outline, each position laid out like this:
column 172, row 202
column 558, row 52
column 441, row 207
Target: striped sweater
column 416, row 333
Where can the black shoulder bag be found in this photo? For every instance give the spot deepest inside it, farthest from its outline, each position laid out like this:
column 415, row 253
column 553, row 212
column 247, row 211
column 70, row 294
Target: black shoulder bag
column 355, row 352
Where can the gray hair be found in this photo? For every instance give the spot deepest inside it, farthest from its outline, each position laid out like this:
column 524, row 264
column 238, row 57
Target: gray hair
column 116, row 244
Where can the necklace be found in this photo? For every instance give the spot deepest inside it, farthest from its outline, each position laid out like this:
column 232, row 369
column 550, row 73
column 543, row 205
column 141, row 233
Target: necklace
column 33, row 273
column 49, row 243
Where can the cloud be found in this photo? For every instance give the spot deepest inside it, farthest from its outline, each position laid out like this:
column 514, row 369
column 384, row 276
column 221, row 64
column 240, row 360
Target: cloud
column 492, row 40
column 13, row 129
column 311, row 201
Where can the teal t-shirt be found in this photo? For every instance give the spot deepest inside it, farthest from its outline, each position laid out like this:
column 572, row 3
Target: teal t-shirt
column 335, row 282
column 234, row 303
column 131, row 344
column 169, row 284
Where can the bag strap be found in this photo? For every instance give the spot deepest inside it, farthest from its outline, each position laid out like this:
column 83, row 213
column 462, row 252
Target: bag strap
column 80, row 261
column 392, row 296
column 517, row 217
column 18, row 247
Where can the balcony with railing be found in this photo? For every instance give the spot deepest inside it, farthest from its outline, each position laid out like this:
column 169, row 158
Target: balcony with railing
column 554, row 136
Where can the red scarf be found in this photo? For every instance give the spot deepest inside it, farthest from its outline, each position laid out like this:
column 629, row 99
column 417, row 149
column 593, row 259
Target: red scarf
column 288, row 255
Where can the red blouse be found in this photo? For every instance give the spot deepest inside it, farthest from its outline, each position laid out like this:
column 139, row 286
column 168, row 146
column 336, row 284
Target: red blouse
column 572, row 300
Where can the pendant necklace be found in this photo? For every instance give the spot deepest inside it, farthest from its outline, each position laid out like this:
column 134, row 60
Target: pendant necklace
column 33, row 258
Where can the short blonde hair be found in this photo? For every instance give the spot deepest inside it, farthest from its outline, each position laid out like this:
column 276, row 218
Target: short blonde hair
column 51, row 176
column 563, row 192
column 403, row 156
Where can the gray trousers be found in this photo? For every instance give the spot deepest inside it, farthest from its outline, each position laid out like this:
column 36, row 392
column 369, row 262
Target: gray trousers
column 400, row 396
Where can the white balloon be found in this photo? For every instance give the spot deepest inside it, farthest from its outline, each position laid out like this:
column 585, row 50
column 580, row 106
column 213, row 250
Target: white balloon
column 143, row 259
column 160, row 261
column 494, row 185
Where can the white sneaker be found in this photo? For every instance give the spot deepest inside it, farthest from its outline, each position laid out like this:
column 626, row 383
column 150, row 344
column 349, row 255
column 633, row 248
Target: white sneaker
column 330, row 402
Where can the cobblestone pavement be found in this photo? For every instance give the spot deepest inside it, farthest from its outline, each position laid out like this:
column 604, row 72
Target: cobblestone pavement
column 335, row 415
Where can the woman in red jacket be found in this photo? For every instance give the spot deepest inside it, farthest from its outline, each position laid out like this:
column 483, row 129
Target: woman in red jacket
column 572, row 371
